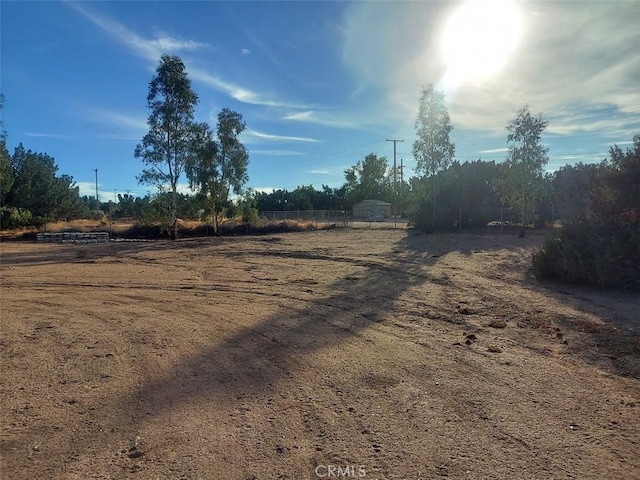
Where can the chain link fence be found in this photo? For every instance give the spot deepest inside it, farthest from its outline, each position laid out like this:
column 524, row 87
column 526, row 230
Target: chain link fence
column 341, row 218
column 328, row 217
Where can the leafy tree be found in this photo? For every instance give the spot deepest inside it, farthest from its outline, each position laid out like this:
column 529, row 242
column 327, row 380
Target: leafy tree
column 525, row 161
column 368, row 179
column 168, row 146
column 37, row 189
column 6, row 170
column 219, row 165
column 466, row 194
column 433, row 148
column 248, row 208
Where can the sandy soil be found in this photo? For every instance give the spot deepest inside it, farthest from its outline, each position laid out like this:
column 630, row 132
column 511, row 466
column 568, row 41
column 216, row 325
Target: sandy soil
column 377, row 354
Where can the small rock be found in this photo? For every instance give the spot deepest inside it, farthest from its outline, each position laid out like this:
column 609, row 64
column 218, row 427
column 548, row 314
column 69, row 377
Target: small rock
column 494, row 349
column 498, row 324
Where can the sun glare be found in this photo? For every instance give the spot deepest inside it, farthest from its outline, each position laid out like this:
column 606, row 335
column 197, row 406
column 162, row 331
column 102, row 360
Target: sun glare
column 478, row 38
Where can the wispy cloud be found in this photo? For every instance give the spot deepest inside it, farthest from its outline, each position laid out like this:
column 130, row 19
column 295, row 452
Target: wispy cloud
column 319, row 118
column 48, row 135
column 320, row 172
column 494, row 150
column 130, row 121
column 252, row 135
column 245, row 51
column 276, row 153
column 151, row 49
column 238, row 93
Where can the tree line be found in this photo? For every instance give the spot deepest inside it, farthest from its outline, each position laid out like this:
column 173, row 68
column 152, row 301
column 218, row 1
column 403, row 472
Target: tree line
column 598, row 204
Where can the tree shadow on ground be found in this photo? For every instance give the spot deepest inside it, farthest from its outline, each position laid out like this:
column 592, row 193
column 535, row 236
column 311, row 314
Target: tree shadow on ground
column 618, row 338
column 259, row 356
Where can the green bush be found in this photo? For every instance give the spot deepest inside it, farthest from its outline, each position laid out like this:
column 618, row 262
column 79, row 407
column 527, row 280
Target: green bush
column 13, row 217
column 602, row 255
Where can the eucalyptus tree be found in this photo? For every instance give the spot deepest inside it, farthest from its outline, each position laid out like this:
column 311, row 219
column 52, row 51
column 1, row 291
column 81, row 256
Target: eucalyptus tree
column 433, row 149
column 168, row 146
column 220, row 162
column 6, row 170
column 525, row 161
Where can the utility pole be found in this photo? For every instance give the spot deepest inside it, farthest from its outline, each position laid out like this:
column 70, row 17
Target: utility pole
column 395, row 188
column 401, row 186
column 97, row 198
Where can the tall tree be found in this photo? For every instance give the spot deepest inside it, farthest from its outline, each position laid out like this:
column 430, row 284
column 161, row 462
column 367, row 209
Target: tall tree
column 6, row 170
column 433, row 148
column 368, row 179
column 219, row 165
column 525, row 161
column 167, row 147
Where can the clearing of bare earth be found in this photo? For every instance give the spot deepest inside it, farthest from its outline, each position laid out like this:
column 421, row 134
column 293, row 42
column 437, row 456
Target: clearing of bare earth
column 372, row 353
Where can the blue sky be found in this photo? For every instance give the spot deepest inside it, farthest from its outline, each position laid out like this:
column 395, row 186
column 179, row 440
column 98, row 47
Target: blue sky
column 319, row 84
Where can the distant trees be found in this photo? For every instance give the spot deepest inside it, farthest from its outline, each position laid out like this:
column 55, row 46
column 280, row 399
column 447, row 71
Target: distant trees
column 169, row 144
column 433, row 151
column 525, row 161
column 304, row 197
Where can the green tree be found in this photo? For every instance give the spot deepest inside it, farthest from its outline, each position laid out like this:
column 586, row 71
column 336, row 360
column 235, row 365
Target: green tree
column 433, row 149
column 37, row 188
column 6, row 170
column 168, row 146
column 219, row 165
column 368, row 179
column 525, row 161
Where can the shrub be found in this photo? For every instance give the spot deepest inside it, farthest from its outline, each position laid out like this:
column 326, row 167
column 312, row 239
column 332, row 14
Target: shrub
column 602, row 255
column 13, row 217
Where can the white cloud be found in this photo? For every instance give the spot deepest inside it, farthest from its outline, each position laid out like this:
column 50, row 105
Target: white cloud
column 320, row 172
column 89, row 189
column 151, row 49
column 319, row 118
column 266, row 190
column 186, row 189
column 494, row 150
column 130, row 121
column 245, row 51
column 569, row 57
column 240, row 94
column 48, row 135
column 276, row 153
column 250, row 136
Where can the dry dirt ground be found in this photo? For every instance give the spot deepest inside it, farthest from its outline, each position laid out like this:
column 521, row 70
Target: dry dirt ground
column 377, row 354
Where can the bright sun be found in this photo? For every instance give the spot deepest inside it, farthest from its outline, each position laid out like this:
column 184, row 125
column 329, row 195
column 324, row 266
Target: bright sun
column 478, row 39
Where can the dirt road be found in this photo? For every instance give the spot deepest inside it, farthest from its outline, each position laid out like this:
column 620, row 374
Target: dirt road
column 377, row 354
